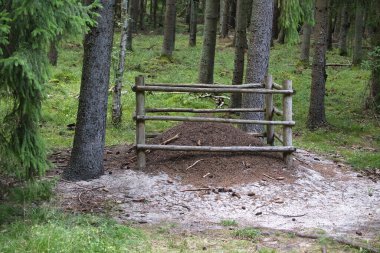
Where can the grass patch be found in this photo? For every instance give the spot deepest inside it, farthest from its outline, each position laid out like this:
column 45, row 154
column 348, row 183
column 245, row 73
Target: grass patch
column 248, row 234
column 228, row 223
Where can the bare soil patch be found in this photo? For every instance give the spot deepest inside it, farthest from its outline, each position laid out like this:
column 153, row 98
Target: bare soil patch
column 254, row 190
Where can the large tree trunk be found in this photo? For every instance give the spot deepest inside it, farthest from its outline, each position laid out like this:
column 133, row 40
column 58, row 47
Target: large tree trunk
column 86, row 160
column 169, row 29
column 206, row 66
column 345, row 25
column 134, row 14
column 240, row 45
column 374, row 97
column 116, row 100
column 225, row 11
column 142, row 14
column 276, row 15
column 193, row 23
column 359, row 27
column 155, row 7
column 317, row 116
column 258, row 58
column 232, row 15
column 305, row 45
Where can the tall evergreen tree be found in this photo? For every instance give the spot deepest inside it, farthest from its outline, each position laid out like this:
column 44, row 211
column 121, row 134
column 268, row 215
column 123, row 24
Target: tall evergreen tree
column 27, row 28
column 317, row 117
column 258, row 57
column 86, row 160
column 206, row 66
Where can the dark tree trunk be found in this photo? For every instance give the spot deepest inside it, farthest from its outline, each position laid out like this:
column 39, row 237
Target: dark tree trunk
column 142, row 14
column 130, row 23
column 224, row 19
column 331, row 25
column 86, row 160
column 134, row 14
column 206, row 66
column 374, row 97
column 169, row 29
column 240, row 45
column 359, row 27
column 119, row 73
column 316, row 117
column 281, row 37
column 345, row 25
column 258, row 58
column 53, row 53
column 232, row 15
column 276, row 15
column 154, row 15
column 305, row 45
column 193, row 23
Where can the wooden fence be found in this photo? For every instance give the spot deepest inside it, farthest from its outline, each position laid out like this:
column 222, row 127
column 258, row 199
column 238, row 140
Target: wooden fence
column 269, row 88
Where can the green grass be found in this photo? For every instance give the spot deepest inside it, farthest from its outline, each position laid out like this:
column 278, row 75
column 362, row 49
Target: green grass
column 248, row 234
column 352, row 135
column 228, row 223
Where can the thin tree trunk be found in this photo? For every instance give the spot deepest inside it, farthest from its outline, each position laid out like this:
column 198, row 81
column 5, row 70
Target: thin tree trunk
column 241, row 42
column 206, row 66
column 281, row 37
column 374, row 96
column 276, row 14
column 142, row 14
column 116, row 105
column 53, row 53
column 232, row 15
column 193, row 23
column 258, row 58
column 331, row 26
column 155, row 6
column 134, row 14
column 359, row 27
column 345, row 25
column 224, row 18
column 305, row 45
column 316, row 117
column 129, row 33
column 169, row 29
column 86, row 160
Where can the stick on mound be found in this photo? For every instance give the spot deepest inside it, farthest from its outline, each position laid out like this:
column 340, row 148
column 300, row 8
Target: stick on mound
column 204, row 169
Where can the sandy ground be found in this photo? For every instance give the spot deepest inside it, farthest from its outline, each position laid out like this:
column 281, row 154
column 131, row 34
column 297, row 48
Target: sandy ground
column 325, row 196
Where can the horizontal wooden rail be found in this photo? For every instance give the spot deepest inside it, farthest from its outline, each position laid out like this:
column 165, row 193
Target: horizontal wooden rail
column 202, row 85
column 215, row 148
column 220, row 120
column 203, row 90
column 204, row 110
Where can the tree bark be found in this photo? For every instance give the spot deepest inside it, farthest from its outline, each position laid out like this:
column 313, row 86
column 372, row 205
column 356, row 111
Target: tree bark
column 142, row 14
column 331, row 25
column 359, row 27
column 232, row 15
column 193, row 23
column 206, row 66
column 240, row 45
column 86, row 160
column 316, row 117
column 155, row 7
column 134, row 14
column 258, row 58
column 374, row 97
column 116, row 105
column 224, row 20
column 53, row 53
column 276, row 15
column 305, row 45
column 345, row 25
column 169, row 29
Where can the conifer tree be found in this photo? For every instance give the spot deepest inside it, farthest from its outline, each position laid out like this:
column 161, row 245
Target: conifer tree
column 27, row 28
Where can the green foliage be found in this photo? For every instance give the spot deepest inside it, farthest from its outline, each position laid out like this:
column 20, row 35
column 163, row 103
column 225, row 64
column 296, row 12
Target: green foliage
column 32, row 191
column 248, row 233
column 46, row 230
column 294, row 13
column 373, row 62
column 26, row 30
column 228, row 223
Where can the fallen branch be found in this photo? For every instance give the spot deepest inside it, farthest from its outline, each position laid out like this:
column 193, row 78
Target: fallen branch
column 208, row 173
column 265, row 175
column 193, row 164
column 196, row 189
column 338, row 65
column 289, row 216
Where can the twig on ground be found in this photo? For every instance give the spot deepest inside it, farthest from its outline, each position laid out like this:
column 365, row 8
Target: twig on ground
column 289, row 216
column 196, row 189
column 265, row 175
column 208, row 173
column 191, row 166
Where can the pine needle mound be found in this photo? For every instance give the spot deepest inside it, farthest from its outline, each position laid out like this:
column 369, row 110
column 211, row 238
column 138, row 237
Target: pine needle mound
column 206, row 169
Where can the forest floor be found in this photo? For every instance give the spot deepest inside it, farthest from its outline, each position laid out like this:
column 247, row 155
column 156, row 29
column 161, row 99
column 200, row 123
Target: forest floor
column 199, row 193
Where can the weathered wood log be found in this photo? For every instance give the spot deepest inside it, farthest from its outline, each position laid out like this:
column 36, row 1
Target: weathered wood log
column 233, row 89
column 269, row 110
column 204, row 110
column 220, row 120
column 277, row 86
column 277, row 111
column 216, row 149
column 202, row 85
column 287, row 130
column 257, row 134
column 140, row 123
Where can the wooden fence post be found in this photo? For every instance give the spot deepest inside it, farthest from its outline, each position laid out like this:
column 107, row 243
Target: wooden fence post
column 269, row 110
column 287, row 115
column 140, row 123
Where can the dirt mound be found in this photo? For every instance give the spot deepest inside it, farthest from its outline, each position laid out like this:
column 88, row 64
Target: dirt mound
column 215, row 169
